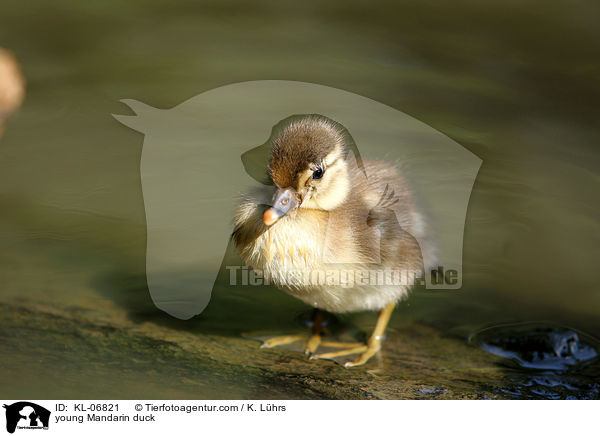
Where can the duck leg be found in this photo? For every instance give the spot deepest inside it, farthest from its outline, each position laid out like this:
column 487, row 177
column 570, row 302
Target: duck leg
column 317, row 330
column 313, row 341
column 369, row 349
column 281, row 340
column 316, row 338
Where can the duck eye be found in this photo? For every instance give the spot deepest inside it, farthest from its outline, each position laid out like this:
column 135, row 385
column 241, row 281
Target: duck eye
column 317, row 174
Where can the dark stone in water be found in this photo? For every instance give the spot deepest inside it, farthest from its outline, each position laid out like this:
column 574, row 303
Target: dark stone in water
column 561, row 362
column 538, row 348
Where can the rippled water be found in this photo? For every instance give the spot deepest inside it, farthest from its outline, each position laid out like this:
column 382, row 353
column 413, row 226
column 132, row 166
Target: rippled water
column 514, row 84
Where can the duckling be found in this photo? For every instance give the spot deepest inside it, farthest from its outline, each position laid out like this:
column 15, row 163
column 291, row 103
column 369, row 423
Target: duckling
column 331, row 230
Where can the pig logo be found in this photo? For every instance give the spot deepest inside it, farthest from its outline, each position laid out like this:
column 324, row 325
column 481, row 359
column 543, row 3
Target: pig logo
column 199, row 157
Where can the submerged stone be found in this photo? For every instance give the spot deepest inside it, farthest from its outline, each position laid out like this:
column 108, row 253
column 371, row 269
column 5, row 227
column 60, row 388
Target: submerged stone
column 538, row 348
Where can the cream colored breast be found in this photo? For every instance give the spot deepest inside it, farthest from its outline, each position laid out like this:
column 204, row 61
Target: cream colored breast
column 292, row 244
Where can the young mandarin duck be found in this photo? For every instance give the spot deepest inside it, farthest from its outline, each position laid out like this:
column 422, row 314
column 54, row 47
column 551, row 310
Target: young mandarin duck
column 334, row 230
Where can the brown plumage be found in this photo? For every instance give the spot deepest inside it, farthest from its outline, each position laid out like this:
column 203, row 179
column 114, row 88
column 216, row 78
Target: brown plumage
column 331, row 217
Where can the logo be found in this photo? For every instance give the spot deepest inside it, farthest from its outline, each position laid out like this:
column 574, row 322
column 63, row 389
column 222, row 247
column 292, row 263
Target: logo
column 202, row 156
column 26, row 415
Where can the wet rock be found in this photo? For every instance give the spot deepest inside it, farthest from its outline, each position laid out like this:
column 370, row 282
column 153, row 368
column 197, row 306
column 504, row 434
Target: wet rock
column 538, row 348
column 96, row 354
column 99, row 351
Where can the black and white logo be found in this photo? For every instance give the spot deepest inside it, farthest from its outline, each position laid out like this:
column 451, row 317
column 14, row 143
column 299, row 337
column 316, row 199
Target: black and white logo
column 26, row 415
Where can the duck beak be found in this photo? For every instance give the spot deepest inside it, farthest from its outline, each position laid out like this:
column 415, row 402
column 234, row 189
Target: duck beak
column 283, row 201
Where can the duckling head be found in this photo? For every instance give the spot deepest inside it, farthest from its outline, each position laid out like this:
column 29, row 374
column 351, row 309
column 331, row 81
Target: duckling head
column 308, row 165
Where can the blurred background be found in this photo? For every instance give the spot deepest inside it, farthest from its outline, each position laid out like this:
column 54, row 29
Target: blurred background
column 517, row 83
